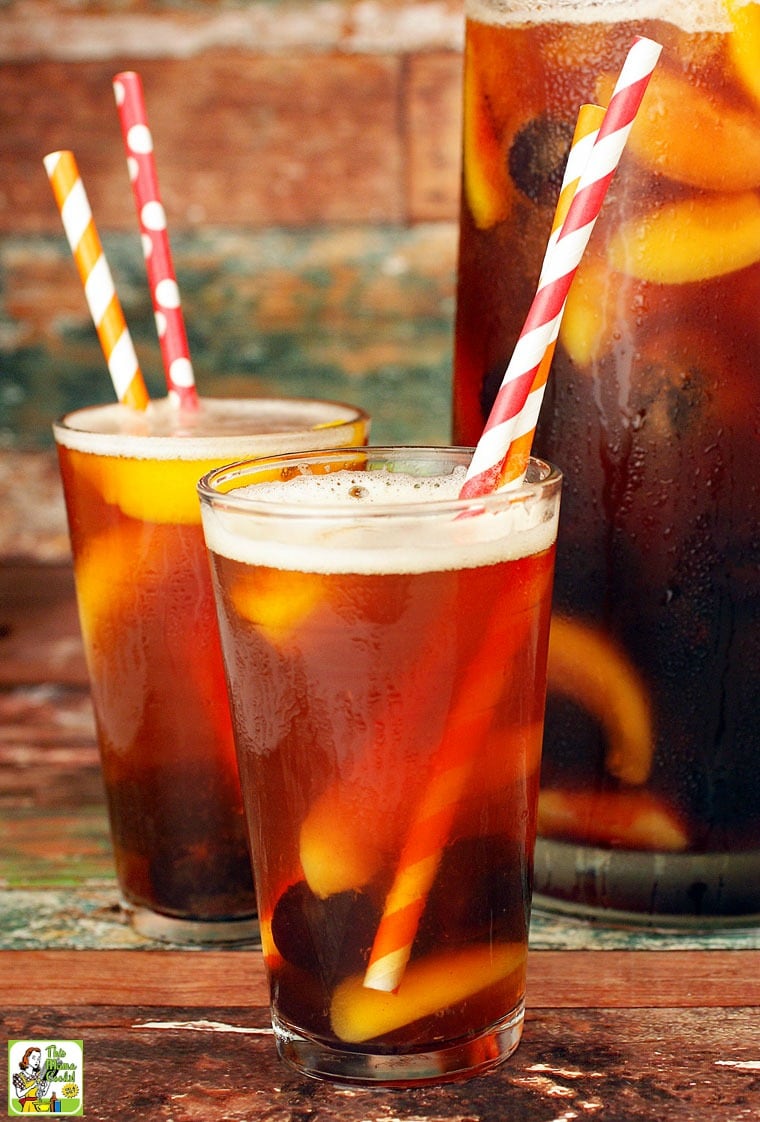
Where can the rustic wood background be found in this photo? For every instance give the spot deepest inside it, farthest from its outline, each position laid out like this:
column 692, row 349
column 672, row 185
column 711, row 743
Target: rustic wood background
column 308, row 155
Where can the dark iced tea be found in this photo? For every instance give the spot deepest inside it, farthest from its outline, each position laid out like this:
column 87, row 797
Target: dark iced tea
column 400, row 655
column 650, row 799
column 152, row 647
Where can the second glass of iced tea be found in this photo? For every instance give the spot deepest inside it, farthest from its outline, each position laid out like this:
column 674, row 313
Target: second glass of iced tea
column 385, row 647
column 650, row 803
column 152, row 645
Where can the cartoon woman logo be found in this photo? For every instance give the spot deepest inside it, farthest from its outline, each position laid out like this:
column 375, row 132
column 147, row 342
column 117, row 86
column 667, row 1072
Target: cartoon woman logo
column 32, row 1082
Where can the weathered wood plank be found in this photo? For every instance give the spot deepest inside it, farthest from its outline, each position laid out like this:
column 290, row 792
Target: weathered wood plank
column 241, row 139
column 641, row 1066
column 556, row 979
column 39, row 628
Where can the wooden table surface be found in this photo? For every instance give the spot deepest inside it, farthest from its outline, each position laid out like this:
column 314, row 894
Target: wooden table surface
column 621, row 1025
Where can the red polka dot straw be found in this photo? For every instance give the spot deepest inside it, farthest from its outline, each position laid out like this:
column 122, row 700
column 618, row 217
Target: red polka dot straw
column 170, row 324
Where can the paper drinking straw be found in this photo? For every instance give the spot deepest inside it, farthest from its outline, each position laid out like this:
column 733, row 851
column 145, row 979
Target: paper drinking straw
column 516, row 460
column 433, row 819
column 545, row 313
column 96, row 278
column 170, row 324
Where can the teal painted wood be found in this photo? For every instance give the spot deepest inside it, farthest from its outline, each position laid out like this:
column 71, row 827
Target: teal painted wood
column 89, row 917
column 362, row 314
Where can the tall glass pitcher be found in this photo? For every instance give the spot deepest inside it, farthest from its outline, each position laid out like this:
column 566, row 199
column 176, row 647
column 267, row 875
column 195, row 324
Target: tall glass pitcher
column 650, row 804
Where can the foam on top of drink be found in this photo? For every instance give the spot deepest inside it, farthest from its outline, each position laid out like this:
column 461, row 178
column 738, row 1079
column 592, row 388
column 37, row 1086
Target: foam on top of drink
column 699, row 16
column 349, row 522
column 220, row 427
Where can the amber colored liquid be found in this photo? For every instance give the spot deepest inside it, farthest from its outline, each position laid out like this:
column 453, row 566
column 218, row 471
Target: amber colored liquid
column 652, row 411
column 338, row 730
column 157, row 684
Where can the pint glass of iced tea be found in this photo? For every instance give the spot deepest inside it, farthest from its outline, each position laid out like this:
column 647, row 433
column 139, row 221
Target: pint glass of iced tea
column 650, row 804
column 152, row 645
column 385, row 648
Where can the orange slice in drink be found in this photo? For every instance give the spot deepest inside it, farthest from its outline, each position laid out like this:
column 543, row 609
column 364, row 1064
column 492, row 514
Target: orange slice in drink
column 590, row 312
column 277, row 608
column 496, row 106
column 340, row 850
column 691, row 240
column 587, row 666
column 149, row 490
column 744, row 44
column 430, row 985
column 102, row 592
column 631, row 819
column 692, row 136
column 487, row 187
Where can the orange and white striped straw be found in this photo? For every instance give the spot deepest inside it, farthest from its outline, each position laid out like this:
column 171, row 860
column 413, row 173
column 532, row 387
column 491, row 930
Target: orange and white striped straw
column 99, row 290
column 431, row 826
column 164, row 290
column 545, row 313
column 513, row 467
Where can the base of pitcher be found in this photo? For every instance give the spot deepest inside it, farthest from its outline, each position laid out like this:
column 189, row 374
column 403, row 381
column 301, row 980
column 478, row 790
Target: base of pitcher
column 454, row 1061
column 170, row 929
column 657, row 890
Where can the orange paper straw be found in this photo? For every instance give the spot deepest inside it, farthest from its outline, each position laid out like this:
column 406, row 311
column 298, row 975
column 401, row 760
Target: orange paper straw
column 586, row 130
column 164, row 290
column 96, row 278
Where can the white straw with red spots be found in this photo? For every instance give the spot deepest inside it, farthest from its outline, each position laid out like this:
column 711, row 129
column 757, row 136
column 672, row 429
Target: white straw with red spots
column 542, row 323
column 138, row 142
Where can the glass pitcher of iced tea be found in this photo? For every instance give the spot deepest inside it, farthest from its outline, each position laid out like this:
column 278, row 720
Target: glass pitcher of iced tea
column 650, row 802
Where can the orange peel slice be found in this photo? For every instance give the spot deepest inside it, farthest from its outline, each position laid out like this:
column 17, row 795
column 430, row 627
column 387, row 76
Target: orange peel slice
column 630, row 819
column 692, row 240
column 430, row 985
column 589, row 667
column 693, row 137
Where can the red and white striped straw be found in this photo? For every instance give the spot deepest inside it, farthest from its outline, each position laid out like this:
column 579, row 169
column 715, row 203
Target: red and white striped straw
column 515, row 462
column 544, row 316
column 170, row 324
column 95, row 275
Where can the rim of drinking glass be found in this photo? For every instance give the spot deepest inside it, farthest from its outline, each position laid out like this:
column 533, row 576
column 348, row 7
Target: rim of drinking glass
column 344, row 413
column 210, row 492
